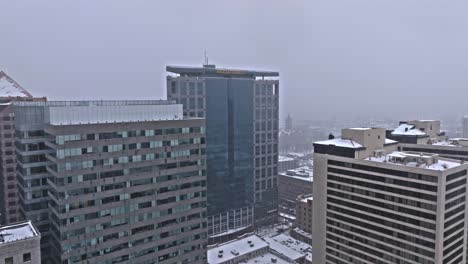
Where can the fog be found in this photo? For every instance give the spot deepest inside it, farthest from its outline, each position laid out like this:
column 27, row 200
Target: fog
column 346, row 58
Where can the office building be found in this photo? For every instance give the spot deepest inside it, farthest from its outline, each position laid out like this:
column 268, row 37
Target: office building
column 20, row 243
column 10, row 91
column 291, row 184
column 241, row 111
column 124, row 180
column 374, row 204
column 287, row 163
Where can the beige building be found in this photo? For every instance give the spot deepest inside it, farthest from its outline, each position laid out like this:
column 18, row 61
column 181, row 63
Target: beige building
column 20, row 243
column 304, row 208
column 374, row 204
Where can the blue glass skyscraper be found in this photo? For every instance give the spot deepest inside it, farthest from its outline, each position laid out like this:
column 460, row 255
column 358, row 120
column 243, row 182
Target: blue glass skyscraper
column 241, row 111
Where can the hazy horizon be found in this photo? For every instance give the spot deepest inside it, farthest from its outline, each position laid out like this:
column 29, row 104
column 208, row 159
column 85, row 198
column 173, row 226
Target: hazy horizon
column 405, row 59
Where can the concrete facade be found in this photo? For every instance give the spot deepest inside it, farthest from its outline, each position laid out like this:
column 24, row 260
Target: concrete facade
column 291, row 184
column 20, row 243
column 389, row 207
column 121, row 191
column 304, row 212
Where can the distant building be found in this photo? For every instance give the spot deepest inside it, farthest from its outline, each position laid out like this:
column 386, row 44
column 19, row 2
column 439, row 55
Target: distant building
column 416, row 132
column 280, row 249
column 20, row 243
column 10, row 91
column 294, row 249
column 288, row 123
column 241, row 110
column 125, row 180
column 374, row 204
column 304, row 209
column 465, row 126
column 286, row 163
column 291, row 184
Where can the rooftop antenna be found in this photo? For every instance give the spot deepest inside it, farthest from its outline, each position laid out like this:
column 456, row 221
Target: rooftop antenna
column 206, row 58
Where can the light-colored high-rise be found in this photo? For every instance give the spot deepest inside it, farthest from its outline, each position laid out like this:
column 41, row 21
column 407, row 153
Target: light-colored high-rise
column 374, row 204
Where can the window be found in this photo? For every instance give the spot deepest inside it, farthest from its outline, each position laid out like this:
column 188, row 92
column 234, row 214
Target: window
column 9, row 260
column 26, row 257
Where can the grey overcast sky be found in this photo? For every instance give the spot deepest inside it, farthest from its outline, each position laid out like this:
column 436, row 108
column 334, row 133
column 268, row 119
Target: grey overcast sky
column 405, row 58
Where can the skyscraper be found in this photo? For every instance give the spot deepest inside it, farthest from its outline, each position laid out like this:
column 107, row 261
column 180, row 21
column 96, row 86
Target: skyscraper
column 288, row 123
column 465, row 126
column 122, row 180
column 10, row 91
column 241, row 111
column 373, row 204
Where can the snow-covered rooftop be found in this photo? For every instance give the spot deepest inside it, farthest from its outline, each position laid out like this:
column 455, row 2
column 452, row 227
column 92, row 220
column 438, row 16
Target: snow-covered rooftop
column 16, row 232
column 452, row 142
column 284, row 158
column 236, row 248
column 303, row 173
column 10, row 88
column 407, row 130
column 424, row 161
column 289, row 247
column 389, row 141
column 267, row 258
column 339, row 142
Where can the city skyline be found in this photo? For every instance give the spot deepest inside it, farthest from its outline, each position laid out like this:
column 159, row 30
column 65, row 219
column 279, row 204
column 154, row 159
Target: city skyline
column 330, row 54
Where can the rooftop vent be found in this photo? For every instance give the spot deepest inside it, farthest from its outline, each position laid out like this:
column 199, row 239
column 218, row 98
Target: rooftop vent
column 274, row 260
column 235, row 252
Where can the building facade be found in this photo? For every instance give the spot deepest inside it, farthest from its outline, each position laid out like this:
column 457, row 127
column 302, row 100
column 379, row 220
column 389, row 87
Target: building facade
column 304, row 209
column 241, row 111
column 10, row 91
column 126, row 180
column 291, row 184
column 286, row 163
column 373, row 204
column 20, row 243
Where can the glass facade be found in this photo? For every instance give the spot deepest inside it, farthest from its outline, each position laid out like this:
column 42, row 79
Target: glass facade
column 229, row 143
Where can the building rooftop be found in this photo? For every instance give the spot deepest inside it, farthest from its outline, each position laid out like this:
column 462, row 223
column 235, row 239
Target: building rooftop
column 284, row 158
column 289, row 247
column 267, row 258
column 407, row 130
column 16, row 232
column 339, row 142
column 452, row 142
column 306, row 198
column 417, row 160
column 233, row 249
column 98, row 112
column 302, row 173
column 10, row 88
column 211, row 70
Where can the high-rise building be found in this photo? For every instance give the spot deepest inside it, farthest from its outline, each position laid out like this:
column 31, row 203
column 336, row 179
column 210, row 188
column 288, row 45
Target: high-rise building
column 288, row 123
column 465, row 126
column 20, row 243
column 241, row 111
column 373, row 204
column 121, row 180
column 10, row 91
